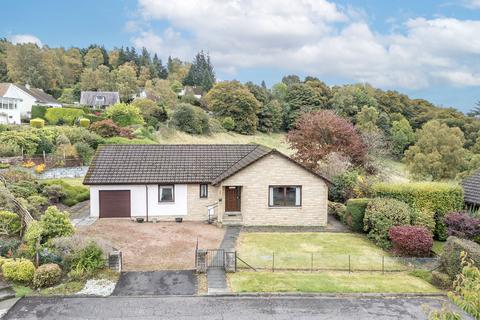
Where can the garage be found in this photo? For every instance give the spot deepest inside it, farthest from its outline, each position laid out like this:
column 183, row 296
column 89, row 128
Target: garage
column 114, row 203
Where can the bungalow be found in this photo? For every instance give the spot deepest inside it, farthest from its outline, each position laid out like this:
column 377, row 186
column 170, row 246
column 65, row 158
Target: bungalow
column 247, row 185
column 471, row 188
column 27, row 97
column 99, row 99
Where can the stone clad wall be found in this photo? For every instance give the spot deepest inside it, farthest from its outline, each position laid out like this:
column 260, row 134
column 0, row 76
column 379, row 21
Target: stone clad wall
column 276, row 170
column 196, row 206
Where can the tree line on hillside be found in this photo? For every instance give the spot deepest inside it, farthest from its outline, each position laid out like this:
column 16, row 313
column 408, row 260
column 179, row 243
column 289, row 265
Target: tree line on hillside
column 65, row 72
column 436, row 143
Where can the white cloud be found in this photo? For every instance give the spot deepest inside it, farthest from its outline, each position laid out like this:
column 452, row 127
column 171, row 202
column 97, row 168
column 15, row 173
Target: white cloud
column 315, row 37
column 25, row 38
column 472, row 4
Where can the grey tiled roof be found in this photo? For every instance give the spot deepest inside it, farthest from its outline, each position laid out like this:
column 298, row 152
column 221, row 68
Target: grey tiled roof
column 40, row 95
column 140, row 164
column 471, row 188
column 88, row 98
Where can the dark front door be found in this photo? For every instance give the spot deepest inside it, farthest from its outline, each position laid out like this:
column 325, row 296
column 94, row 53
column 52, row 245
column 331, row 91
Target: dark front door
column 232, row 199
column 114, row 203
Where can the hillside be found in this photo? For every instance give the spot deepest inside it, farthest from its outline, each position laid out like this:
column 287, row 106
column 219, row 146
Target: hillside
column 274, row 140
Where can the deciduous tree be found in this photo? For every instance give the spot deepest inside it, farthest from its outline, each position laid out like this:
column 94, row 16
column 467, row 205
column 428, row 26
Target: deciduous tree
column 317, row 134
column 232, row 99
column 438, row 153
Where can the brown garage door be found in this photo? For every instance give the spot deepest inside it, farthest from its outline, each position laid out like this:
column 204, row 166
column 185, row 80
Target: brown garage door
column 114, row 203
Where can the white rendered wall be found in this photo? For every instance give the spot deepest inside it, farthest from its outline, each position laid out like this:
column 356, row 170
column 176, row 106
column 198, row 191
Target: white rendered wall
column 138, row 200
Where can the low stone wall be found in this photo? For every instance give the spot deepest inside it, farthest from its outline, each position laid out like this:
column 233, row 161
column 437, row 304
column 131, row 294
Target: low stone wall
column 58, row 173
column 11, row 160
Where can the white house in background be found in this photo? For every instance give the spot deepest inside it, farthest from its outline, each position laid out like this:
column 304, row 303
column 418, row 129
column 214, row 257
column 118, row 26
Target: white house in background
column 99, row 99
column 191, row 91
column 27, row 97
column 9, row 113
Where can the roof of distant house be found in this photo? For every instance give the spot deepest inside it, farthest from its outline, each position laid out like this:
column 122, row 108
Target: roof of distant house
column 89, row 98
column 144, row 164
column 39, row 95
column 471, row 188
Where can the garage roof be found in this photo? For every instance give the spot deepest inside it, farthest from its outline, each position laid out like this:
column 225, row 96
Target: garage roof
column 143, row 164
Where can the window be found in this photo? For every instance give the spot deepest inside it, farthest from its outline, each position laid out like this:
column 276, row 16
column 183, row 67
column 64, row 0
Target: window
column 166, row 193
column 285, row 196
column 204, row 191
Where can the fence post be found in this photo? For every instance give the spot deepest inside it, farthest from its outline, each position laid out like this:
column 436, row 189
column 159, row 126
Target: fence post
column 273, row 261
column 383, row 264
column 311, row 262
column 44, row 158
column 349, row 265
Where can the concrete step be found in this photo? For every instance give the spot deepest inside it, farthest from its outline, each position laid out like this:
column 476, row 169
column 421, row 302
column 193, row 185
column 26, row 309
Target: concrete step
column 6, row 292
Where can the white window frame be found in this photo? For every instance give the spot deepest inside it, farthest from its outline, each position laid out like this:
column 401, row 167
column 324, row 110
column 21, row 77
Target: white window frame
column 161, row 187
column 298, row 196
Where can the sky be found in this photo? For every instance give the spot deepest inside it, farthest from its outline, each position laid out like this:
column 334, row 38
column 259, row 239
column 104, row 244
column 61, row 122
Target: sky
column 425, row 48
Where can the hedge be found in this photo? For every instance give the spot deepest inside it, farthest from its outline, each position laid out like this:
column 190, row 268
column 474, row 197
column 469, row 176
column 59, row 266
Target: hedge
column 63, row 115
column 47, row 275
column 19, row 270
column 84, row 122
column 382, row 214
column 38, row 112
column 73, row 194
column 337, row 209
column 355, row 213
column 451, row 257
column 37, row 123
column 430, row 202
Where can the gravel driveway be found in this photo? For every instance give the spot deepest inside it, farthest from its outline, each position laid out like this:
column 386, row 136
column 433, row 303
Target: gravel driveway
column 155, row 246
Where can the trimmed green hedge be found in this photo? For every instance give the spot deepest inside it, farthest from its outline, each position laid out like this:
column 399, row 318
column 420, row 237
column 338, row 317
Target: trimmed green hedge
column 451, row 257
column 37, row 123
column 355, row 213
column 38, row 112
column 63, row 115
column 430, row 202
column 73, row 194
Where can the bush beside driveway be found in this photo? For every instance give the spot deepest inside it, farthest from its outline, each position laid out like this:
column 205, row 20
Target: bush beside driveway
column 155, row 246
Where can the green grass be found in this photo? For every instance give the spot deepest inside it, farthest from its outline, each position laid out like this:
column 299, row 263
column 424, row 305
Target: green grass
column 394, row 170
column 423, row 274
column 319, row 250
column 76, row 182
column 274, row 140
column 438, row 247
column 21, row 290
column 328, row 282
column 66, row 288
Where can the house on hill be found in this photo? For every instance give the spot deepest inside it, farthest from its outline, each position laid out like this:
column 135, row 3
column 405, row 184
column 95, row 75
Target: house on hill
column 99, row 99
column 248, row 185
column 471, row 189
column 26, row 97
column 197, row 92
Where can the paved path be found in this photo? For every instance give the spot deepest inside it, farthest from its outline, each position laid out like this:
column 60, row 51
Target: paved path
column 238, row 308
column 156, row 283
column 216, row 277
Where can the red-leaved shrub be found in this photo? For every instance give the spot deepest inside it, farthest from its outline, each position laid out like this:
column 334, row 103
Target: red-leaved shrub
column 107, row 128
column 411, row 240
column 462, row 225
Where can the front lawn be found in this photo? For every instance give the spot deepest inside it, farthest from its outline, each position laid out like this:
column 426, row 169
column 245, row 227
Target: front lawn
column 328, row 282
column 313, row 250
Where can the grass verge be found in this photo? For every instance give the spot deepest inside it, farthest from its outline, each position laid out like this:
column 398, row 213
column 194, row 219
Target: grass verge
column 328, row 282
